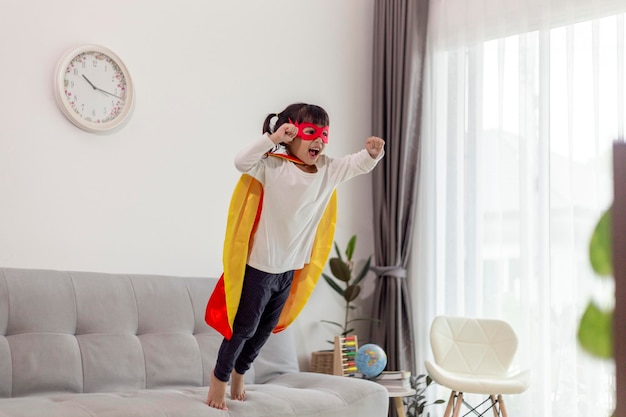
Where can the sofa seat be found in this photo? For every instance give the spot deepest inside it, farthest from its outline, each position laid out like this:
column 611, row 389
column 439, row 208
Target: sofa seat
column 292, row 394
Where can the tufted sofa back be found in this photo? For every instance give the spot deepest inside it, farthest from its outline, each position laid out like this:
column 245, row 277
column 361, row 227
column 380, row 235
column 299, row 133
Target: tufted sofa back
column 94, row 332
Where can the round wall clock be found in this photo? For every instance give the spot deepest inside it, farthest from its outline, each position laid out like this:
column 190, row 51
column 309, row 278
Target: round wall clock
column 93, row 88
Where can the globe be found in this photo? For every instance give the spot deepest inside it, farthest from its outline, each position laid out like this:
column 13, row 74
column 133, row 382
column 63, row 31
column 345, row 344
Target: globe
column 371, row 359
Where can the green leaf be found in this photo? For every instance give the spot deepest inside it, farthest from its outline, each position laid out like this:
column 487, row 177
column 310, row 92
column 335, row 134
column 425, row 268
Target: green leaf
column 333, row 284
column 338, row 251
column 363, row 319
column 351, row 293
column 363, row 272
column 333, row 323
column 350, row 247
column 595, row 331
column 347, row 332
column 600, row 253
column 340, row 269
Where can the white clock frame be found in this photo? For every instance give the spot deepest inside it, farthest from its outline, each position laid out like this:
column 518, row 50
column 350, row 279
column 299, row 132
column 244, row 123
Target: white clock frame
column 126, row 98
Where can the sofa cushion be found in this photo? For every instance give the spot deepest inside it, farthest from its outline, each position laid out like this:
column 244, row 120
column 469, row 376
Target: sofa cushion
column 39, row 302
column 294, row 394
column 46, row 362
column 105, row 303
column 112, row 362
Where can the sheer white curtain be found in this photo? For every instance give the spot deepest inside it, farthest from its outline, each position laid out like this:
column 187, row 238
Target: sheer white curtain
column 523, row 101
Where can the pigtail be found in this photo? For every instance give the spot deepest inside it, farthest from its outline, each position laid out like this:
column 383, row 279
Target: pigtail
column 271, row 123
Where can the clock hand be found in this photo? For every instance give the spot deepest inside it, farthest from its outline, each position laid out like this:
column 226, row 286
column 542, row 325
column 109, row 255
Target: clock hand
column 90, row 83
column 106, row 92
column 99, row 89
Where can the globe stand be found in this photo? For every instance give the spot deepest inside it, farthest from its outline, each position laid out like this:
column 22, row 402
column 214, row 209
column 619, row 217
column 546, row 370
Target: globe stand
column 345, row 355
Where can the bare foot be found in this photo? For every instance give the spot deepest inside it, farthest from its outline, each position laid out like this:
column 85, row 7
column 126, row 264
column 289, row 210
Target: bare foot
column 217, row 393
column 237, row 386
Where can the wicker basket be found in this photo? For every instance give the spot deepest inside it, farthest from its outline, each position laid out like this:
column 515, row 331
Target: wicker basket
column 322, row 361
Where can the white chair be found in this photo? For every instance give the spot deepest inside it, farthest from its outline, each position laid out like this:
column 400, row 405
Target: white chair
column 473, row 355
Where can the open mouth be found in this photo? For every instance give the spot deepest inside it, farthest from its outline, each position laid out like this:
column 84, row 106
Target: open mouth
column 313, row 152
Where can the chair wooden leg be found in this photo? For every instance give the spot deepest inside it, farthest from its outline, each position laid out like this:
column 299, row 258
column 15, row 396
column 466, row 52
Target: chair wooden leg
column 458, row 404
column 494, row 405
column 502, row 406
column 450, row 404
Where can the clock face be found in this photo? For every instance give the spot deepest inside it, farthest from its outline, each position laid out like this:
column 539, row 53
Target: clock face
column 94, row 89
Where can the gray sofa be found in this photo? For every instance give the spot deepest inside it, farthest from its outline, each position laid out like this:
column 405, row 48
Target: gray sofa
column 81, row 344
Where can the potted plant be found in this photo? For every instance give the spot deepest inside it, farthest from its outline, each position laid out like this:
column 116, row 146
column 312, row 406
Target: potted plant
column 416, row 403
column 345, row 280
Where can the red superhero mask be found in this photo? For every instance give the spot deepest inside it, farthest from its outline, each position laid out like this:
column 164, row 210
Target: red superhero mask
column 318, row 132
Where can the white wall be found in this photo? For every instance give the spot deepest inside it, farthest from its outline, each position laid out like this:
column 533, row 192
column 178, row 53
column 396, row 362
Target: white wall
column 152, row 197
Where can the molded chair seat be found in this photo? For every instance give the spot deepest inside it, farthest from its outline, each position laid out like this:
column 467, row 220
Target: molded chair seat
column 473, row 356
column 480, row 384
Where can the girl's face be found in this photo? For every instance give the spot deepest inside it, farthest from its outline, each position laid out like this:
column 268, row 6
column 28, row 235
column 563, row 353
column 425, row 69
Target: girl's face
column 309, row 150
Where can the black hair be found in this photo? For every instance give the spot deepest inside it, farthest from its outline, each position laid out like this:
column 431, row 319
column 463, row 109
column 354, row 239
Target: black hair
column 298, row 112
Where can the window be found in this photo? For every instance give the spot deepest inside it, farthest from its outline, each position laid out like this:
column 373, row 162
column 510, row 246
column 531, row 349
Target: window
column 516, row 158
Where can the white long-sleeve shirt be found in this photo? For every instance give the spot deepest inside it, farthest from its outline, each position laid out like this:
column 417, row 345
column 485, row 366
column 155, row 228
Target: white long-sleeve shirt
column 293, row 202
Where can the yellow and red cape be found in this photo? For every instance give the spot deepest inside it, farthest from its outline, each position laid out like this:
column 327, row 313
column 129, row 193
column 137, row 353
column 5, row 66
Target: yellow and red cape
column 243, row 216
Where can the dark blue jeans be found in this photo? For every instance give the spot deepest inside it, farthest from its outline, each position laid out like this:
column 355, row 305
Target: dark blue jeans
column 263, row 297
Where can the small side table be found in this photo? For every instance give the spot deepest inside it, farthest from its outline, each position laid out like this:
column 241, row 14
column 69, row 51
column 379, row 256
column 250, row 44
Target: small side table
column 397, row 396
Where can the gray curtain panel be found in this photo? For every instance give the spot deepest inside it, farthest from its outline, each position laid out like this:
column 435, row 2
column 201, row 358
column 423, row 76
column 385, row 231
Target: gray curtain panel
column 399, row 52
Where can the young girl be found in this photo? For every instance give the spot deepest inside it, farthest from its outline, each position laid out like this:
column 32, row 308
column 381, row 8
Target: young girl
column 282, row 216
